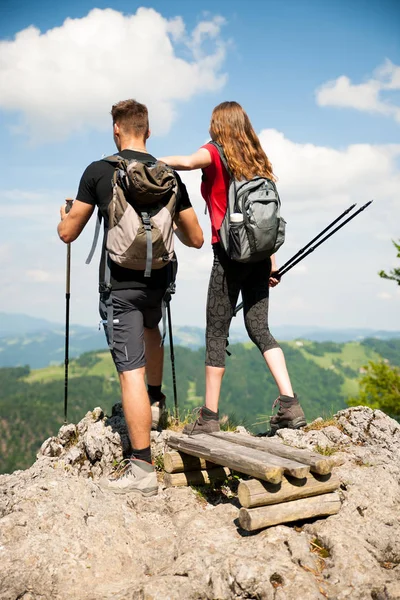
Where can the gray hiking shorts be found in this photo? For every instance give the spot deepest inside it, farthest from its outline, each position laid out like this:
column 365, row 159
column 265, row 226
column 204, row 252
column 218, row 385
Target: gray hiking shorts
column 133, row 311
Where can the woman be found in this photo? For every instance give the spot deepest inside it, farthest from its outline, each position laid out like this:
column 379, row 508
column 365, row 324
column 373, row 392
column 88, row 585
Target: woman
column 231, row 128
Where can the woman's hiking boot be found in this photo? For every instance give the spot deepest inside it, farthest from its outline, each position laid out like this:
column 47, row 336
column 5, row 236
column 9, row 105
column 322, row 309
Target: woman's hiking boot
column 206, row 422
column 290, row 415
column 159, row 414
column 132, row 475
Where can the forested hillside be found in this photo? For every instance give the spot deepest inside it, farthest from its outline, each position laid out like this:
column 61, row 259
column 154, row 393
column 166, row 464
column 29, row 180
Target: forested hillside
column 323, row 375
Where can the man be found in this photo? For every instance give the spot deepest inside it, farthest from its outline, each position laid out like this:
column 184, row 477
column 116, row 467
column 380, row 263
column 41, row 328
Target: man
column 136, row 299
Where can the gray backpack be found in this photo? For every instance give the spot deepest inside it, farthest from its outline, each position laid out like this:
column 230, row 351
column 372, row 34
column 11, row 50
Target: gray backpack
column 252, row 228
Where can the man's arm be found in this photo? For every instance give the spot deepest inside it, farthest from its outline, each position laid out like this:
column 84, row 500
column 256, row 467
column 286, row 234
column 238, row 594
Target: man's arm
column 73, row 222
column 199, row 160
column 187, row 228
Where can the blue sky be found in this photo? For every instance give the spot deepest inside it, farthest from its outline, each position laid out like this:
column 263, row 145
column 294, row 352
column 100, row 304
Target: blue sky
column 320, row 81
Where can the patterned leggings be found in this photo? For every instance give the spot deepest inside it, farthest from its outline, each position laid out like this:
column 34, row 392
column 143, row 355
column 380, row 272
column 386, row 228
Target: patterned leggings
column 227, row 279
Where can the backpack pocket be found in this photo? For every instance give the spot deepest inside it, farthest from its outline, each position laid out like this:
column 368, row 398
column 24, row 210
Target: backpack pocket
column 239, row 248
column 280, row 238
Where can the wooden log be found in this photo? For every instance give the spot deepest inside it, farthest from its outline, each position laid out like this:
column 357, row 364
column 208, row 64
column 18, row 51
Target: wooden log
column 252, row 519
column 318, row 463
column 178, row 462
column 290, row 467
column 241, row 459
column 254, row 493
column 215, row 475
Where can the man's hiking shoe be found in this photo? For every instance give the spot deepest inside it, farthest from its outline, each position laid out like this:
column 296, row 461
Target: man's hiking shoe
column 132, row 475
column 159, row 413
column 201, row 425
column 290, row 415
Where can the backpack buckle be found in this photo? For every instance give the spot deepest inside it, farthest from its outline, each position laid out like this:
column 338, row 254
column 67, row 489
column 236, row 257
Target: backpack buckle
column 146, row 221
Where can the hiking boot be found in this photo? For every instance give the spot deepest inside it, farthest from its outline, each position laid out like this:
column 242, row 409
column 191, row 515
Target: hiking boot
column 132, row 475
column 290, row 415
column 201, row 425
column 159, row 413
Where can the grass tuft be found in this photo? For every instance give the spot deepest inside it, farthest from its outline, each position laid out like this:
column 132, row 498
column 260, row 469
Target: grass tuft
column 321, row 424
column 317, row 547
column 325, row 451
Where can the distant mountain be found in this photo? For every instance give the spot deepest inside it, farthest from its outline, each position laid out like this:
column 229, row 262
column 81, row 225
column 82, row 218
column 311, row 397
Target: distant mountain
column 321, row 334
column 26, row 340
column 15, row 324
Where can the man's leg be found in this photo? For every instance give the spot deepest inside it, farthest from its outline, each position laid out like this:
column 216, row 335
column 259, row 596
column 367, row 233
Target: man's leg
column 136, row 407
column 154, row 356
column 137, row 473
column 154, row 359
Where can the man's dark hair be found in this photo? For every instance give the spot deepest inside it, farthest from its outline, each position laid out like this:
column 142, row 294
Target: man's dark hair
column 132, row 117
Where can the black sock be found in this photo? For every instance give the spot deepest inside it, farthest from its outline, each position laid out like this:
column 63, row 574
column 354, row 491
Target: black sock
column 155, row 393
column 144, row 454
column 209, row 415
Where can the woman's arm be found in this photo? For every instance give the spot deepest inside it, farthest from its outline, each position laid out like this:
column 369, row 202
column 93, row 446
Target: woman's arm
column 273, row 281
column 199, row 160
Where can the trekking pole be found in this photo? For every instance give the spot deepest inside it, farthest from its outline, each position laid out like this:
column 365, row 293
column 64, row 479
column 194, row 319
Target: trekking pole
column 292, row 263
column 67, row 301
column 283, row 271
column 172, row 355
column 317, row 237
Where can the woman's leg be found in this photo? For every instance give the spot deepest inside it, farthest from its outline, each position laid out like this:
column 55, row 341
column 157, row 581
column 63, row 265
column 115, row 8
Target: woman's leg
column 255, row 292
column 256, row 303
column 275, row 360
column 223, row 292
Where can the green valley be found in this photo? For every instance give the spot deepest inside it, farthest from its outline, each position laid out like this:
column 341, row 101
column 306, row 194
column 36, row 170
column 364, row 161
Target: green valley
column 324, row 374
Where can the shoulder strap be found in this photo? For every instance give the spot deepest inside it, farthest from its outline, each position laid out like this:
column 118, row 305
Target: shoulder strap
column 95, row 237
column 114, row 159
column 222, row 156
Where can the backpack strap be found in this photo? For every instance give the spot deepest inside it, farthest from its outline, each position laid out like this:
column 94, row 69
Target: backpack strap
column 222, row 156
column 149, row 254
column 171, row 289
column 95, row 237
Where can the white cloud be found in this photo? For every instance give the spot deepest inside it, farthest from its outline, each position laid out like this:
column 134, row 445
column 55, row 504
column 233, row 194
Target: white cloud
column 337, row 285
column 368, row 96
column 316, row 183
column 68, row 77
column 385, row 296
column 38, row 276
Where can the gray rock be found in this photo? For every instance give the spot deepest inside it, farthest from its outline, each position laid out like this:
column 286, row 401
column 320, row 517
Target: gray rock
column 62, row 537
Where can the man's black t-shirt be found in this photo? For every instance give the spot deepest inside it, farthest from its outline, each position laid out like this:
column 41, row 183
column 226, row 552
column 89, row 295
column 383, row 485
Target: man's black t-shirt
column 95, row 188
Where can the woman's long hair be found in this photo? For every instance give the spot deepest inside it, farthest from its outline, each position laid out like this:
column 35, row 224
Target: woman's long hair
column 231, row 128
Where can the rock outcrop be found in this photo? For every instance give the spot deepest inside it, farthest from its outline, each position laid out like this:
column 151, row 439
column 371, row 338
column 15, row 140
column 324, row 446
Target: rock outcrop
column 63, row 538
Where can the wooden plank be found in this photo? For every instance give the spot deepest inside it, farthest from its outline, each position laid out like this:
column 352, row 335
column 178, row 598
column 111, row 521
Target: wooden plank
column 252, row 519
column 318, row 463
column 243, row 460
column 215, row 475
column 178, row 462
column 254, row 493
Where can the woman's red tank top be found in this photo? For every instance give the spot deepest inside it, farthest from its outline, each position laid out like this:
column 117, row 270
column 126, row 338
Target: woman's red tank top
column 214, row 189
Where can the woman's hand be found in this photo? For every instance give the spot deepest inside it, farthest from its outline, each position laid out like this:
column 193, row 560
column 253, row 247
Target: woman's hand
column 274, row 279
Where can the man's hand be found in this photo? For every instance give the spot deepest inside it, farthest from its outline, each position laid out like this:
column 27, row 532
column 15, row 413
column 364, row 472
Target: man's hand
column 78, row 214
column 65, row 208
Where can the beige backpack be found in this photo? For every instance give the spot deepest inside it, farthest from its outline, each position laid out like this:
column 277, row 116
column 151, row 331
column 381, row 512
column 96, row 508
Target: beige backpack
column 141, row 213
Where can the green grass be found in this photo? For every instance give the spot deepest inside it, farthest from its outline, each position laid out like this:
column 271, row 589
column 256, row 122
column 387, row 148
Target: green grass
column 353, row 355
column 103, row 368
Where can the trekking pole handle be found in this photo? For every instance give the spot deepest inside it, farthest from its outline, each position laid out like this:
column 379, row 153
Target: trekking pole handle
column 69, row 202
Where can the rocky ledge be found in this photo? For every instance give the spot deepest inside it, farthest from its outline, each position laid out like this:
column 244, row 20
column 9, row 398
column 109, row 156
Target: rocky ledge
column 63, row 538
